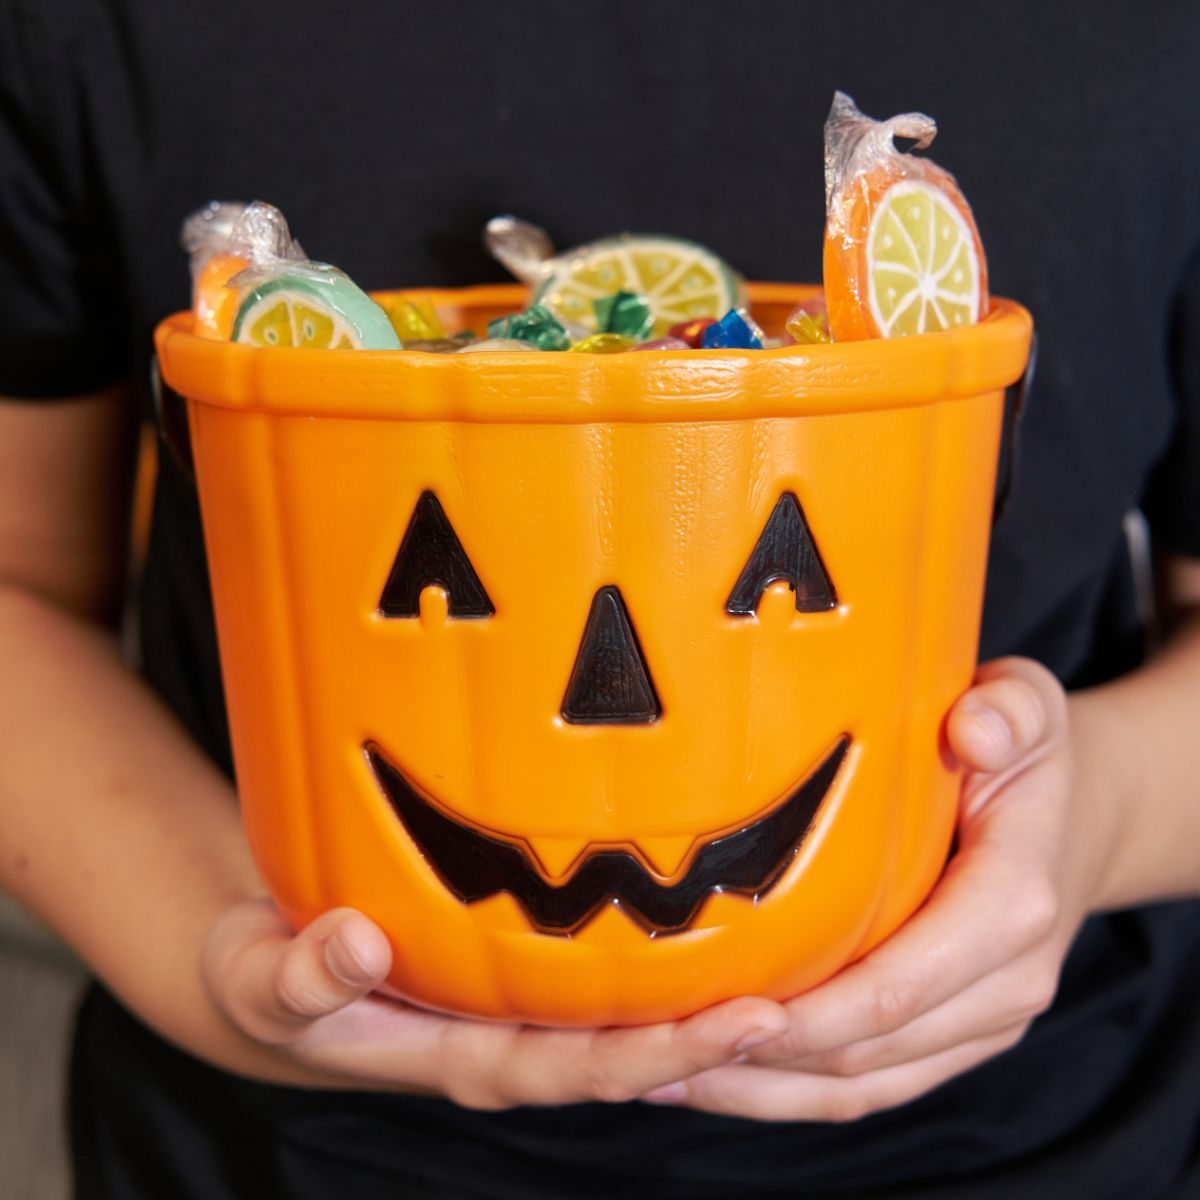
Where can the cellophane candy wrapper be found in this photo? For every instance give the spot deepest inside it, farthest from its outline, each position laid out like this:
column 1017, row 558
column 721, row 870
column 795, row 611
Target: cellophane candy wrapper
column 902, row 252
column 222, row 239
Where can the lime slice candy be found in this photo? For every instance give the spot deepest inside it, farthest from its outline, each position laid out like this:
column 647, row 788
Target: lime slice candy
column 680, row 279
column 309, row 305
column 924, row 268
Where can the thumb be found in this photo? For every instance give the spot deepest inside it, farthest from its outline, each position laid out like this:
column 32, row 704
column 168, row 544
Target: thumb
column 1015, row 707
column 272, row 984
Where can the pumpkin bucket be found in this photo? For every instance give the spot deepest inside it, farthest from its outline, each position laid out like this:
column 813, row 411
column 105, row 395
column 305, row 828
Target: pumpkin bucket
column 610, row 686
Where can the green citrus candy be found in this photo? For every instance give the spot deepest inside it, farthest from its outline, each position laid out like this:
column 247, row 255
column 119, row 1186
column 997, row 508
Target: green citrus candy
column 312, row 306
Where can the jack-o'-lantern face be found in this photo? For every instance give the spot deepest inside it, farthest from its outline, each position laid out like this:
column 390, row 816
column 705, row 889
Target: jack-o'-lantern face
column 610, row 683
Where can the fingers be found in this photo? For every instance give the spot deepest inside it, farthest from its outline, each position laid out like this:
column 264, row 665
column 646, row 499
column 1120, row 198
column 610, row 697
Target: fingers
column 273, row 984
column 495, row 1067
column 980, row 959
column 307, row 993
column 1006, row 1000
column 492, row 1065
column 962, row 934
column 1014, row 706
column 770, row 1094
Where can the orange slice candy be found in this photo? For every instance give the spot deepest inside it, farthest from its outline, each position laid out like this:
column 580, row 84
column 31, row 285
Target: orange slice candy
column 214, row 306
column 902, row 253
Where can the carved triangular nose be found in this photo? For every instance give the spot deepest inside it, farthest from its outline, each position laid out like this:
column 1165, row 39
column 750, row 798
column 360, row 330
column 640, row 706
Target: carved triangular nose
column 610, row 684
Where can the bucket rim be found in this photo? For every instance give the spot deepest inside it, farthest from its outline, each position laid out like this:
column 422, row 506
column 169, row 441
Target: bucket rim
column 561, row 388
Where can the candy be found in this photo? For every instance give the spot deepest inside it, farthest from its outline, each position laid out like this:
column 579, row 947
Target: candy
column 537, row 325
column 604, row 343
column 902, row 254
column 309, row 305
column 222, row 240
column 806, row 328
column 490, row 344
column 520, row 246
column 679, row 279
column 692, row 332
column 445, row 345
column 667, row 343
column 214, row 303
column 625, row 313
column 414, row 319
column 220, row 244
column 260, row 231
column 736, row 330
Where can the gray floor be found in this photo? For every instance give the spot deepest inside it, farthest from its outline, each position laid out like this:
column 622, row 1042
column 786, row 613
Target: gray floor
column 39, row 986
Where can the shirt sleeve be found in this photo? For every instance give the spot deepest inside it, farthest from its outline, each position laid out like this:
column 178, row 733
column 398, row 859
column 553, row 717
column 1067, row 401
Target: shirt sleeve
column 1172, row 500
column 63, row 319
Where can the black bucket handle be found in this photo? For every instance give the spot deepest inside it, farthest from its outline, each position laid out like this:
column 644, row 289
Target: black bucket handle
column 170, row 415
column 1010, row 436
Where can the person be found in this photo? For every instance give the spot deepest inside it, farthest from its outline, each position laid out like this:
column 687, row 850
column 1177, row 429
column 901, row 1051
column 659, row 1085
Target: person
column 1033, row 1030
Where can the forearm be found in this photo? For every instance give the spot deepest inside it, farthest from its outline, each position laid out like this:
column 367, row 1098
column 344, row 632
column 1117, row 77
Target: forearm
column 114, row 828
column 1138, row 759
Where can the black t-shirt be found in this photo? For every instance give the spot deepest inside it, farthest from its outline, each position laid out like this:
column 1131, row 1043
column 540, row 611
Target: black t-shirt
column 389, row 134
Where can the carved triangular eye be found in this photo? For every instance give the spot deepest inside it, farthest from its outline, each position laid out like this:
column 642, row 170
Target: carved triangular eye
column 432, row 556
column 785, row 550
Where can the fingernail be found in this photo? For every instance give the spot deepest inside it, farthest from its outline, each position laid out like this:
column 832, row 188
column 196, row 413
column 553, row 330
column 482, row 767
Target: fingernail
column 994, row 727
column 756, row 1037
column 669, row 1093
column 344, row 961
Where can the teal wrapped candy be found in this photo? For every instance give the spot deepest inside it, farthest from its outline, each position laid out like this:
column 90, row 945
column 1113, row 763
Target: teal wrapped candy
column 625, row 313
column 536, row 325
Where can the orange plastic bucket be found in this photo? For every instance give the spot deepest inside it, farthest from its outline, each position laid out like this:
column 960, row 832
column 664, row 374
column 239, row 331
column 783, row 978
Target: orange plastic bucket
column 610, row 686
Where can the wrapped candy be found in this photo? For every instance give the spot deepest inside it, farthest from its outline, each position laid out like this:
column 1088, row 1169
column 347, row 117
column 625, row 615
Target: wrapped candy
column 252, row 283
column 308, row 305
column 487, row 345
column 223, row 239
column 536, row 324
column 808, row 329
column 624, row 313
column 443, row 345
column 414, row 319
column 692, row 332
column 679, row 279
column 604, row 343
column 520, row 246
column 736, row 330
column 902, row 253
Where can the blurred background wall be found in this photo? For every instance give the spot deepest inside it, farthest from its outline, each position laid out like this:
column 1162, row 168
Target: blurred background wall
column 40, row 985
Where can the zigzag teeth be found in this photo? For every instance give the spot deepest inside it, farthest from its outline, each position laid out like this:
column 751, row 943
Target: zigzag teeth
column 474, row 865
column 666, row 852
column 557, row 855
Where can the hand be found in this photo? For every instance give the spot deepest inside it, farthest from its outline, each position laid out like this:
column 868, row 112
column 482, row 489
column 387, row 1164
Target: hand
column 965, row 977
column 312, row 997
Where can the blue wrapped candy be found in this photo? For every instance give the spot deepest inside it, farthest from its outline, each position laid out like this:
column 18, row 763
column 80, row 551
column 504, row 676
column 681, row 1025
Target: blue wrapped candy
column 736, row 330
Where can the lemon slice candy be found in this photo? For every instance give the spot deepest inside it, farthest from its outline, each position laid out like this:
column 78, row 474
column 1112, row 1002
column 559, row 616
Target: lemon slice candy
column 924, row 270
column 315, row 307
column 681, row 280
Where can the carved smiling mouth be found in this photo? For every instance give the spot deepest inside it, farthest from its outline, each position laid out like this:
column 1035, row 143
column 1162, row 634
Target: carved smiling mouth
column 474, row 865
